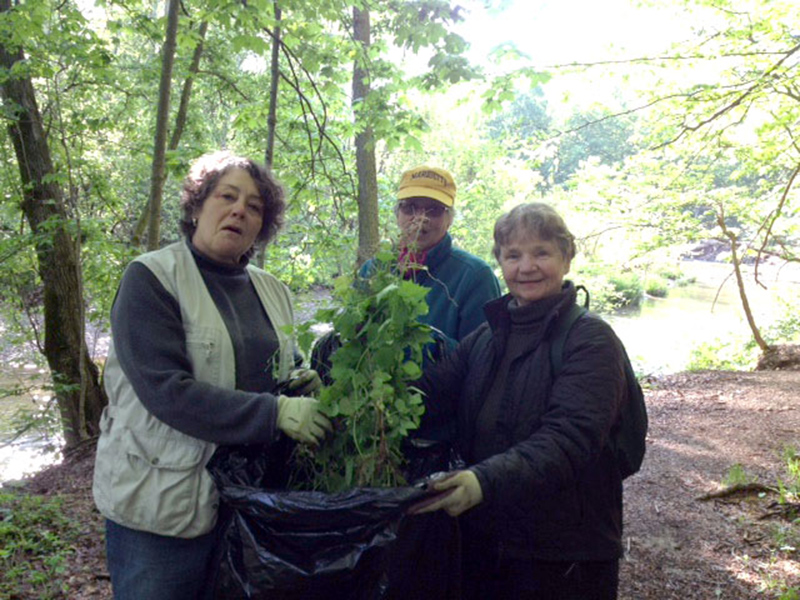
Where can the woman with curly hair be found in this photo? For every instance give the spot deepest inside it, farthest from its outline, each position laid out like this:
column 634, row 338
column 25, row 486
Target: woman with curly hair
column 198, row 352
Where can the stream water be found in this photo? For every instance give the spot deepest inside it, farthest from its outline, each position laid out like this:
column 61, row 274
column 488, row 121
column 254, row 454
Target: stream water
column 23, row 390
column 659, row 337
column 661, row 334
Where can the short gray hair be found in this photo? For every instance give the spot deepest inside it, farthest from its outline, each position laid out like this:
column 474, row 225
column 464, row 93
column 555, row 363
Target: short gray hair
column 534, row 218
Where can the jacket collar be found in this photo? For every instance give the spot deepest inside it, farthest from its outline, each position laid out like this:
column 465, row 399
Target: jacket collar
column 439, row 252
column 499, row 319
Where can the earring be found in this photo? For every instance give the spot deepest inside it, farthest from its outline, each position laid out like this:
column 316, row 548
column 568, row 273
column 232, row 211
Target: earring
column 194, row 221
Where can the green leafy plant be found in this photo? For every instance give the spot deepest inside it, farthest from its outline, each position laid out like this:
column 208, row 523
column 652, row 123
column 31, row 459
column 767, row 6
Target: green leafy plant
column 737, row 476
column 729, row 354
column 35, row 546
column 371, row 400
column 787, row 326
column 656, row 287
column 791, row 594
column 789, row 489
column 670, row 272
column 628, row 286
column 610, row 288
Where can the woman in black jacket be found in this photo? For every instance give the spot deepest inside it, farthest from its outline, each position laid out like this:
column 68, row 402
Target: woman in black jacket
column 541, row 500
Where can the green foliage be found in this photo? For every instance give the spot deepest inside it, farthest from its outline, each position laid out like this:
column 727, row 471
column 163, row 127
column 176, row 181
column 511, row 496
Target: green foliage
column 727, row 354
column 656, row 287
column 371, row 400
column 737, row 353
column 791, row 594
column 525, row 119
column 786, row 535
column 670, row 273
column 737, row 476
column 95, row 77
column 35, row 547
column 610, row 288
column 589, row 135
column 787, row 325
column 557, row 149
column 789, row 489
column 628, row 287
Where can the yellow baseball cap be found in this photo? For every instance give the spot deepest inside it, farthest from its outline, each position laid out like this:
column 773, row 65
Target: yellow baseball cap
column 428, row 182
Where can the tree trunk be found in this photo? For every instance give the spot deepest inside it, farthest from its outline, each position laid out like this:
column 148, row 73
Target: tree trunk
column 159, row 151
column 186, row 93
column 365, row 146
column 180, row 123
column 75, row 377
column 737, row 269
column 272, row 118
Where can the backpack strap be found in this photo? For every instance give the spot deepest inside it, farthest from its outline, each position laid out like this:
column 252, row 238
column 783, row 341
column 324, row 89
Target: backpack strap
column 559, row 336
column 628, row 440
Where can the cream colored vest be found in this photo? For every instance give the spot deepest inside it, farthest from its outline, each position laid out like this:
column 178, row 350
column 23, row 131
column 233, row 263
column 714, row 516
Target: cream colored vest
column 149, row 476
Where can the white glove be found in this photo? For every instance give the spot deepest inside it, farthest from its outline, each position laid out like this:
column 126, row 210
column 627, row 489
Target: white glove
column 300, row 419
column 304, row 382
column 463, row 491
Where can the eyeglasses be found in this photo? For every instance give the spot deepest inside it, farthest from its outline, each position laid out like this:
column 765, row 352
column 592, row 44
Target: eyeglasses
column 433, row 211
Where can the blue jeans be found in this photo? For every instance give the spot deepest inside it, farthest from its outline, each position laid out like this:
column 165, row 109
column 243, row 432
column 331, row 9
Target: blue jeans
column 155, row 567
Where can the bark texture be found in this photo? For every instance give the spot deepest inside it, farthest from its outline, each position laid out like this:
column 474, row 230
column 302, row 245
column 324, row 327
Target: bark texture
column 159, row 173
column 79, row 394
column 365, row 146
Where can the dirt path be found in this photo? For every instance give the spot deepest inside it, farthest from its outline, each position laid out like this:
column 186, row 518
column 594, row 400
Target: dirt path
column 678, row 547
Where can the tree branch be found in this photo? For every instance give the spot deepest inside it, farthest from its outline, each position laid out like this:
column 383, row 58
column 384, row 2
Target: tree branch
column 650, row 59
column 230, row 83
column 759, row 82
column 775, row 215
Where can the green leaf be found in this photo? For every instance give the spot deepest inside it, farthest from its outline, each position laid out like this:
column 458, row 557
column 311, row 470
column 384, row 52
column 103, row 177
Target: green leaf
column 412, row 370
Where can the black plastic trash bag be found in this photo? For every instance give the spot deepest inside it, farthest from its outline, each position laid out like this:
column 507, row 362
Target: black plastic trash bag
column 287, row 545
column 425, row 559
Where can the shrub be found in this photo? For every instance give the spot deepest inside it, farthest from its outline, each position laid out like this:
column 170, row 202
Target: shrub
column 731, row 354
column 656, row 287
column 672, row 273
column 609, row 289
column 628, row 287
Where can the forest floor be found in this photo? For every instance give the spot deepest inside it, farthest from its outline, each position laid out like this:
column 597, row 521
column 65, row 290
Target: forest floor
column 678, row 546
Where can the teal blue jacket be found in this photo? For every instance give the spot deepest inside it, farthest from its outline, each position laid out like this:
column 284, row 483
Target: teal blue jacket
column 460, row 285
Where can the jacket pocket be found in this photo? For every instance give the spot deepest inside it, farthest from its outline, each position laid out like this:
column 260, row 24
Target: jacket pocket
column 157, row 483
column 204, row 347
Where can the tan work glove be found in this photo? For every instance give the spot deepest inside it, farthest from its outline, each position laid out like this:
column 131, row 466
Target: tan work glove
column 462, row 491
column 304, row 382
column 300, row 419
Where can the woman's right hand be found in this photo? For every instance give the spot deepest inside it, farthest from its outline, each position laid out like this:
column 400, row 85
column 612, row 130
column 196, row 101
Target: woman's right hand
column 300, row 419
column 464, row 493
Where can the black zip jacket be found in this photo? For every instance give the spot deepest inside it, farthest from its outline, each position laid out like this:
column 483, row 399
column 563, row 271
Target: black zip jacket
column 555, row 492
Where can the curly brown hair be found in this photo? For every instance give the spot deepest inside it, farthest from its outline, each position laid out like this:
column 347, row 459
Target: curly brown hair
column 203, row 177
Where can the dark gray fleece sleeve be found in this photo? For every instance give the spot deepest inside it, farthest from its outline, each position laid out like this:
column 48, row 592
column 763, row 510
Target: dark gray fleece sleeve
column 150, row 343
